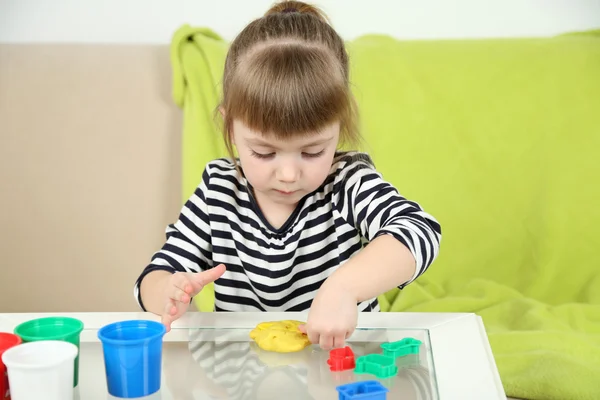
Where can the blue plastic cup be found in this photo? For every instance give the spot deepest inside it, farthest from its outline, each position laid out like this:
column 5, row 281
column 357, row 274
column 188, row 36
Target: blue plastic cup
column 132, row 357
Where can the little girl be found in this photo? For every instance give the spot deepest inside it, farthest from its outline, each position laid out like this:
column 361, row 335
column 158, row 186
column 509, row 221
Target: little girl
column 292, row 223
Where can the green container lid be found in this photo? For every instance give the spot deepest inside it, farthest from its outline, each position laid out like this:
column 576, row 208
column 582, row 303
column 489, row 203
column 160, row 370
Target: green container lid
column 49, row 328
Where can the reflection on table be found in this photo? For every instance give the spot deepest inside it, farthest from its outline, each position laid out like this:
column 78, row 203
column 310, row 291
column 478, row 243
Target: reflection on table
column 224, row 364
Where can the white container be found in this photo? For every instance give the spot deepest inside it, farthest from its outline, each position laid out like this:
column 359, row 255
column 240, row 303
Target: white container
column 41, row 370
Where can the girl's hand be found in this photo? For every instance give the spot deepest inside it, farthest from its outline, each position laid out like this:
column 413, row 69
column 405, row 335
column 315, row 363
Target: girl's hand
column 181, row 287
column 332, row 317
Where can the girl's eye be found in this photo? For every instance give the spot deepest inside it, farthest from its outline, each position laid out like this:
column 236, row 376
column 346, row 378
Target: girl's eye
column 262, row 156
column 313, row 155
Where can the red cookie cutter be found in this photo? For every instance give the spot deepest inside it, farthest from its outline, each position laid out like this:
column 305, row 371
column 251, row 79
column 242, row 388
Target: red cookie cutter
column 341, row 359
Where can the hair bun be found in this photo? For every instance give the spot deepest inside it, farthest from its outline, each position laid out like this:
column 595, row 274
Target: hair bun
column 288, row 7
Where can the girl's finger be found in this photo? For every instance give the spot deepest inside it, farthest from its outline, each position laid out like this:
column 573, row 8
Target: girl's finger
column 349, row 333
column 210, row 275
column 176, row 294
column 326, row 342
column 312, row 336
column 171, row 307
column 339, row 341
column 167, row 316
column 182, row 281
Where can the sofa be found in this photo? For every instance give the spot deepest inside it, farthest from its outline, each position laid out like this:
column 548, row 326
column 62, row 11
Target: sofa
column 496, row 138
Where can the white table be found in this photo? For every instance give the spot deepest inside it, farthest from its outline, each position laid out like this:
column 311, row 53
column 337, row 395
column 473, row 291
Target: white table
column 455, row 361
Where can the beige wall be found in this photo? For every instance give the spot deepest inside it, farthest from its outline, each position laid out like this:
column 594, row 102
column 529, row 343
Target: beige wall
column 90, row 172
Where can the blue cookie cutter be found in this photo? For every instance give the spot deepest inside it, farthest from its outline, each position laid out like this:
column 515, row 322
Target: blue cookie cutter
column 364, row 390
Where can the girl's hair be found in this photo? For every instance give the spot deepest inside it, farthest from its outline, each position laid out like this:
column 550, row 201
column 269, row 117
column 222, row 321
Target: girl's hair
column 287, row 74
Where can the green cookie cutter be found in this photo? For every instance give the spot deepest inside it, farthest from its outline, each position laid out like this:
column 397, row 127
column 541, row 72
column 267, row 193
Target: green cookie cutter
column 401, row 348
column 379, row 365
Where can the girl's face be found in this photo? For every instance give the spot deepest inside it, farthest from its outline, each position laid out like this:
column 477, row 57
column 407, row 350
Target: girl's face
column 285, row 171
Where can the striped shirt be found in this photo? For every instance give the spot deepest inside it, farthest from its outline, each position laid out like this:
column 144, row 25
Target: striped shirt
column 281, row 269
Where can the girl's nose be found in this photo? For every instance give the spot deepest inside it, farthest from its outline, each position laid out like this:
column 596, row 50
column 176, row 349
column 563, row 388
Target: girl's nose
column 288, row 173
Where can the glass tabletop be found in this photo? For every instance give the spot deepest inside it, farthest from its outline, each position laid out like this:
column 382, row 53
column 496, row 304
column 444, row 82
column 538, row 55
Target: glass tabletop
column 224, row 363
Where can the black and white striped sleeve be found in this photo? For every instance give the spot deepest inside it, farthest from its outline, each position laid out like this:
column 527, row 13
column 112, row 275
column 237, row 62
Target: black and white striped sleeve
column 188, row 245
column 374, row 207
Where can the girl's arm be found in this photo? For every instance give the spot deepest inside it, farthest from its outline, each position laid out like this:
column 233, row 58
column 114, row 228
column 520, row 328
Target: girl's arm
column 381, row 266
column 403, row 240
column 187, row 249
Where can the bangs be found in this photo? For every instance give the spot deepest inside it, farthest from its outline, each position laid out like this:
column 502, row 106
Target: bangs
column 288, row 88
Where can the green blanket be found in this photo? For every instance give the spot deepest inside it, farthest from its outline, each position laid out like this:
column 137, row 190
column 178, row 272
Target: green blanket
column 542, row 351
column 499, row 139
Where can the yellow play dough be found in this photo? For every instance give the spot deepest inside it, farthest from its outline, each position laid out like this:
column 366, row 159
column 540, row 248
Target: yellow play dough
column 273, row 359
column 280, row 336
